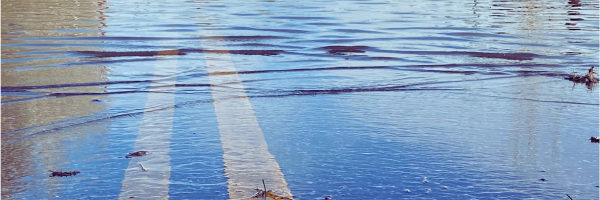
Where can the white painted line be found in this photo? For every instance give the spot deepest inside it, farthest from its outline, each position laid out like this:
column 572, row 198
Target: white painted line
column 155, row 137
column 245, row 153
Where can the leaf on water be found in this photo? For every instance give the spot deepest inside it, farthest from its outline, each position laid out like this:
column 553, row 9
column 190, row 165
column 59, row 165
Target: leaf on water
column 136, row 154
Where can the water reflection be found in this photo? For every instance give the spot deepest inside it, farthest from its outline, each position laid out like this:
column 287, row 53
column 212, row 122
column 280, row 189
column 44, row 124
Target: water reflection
column 523, row 131
column 51, row 19
column 41, row 18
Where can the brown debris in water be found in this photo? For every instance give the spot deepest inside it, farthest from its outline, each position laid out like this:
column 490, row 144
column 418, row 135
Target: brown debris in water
column 595, row 139
column 136, row 154
column 589, row 77
column 61, row 173
column 268, row 194
column 263, row 194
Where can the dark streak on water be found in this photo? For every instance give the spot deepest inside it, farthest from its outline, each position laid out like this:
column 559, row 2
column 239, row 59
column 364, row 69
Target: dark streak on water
column 179, row 52
column 334, row 50
column 230, row 38
column 418, row 68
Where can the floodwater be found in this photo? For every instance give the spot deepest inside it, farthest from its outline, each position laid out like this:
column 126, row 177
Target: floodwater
column 357, row 99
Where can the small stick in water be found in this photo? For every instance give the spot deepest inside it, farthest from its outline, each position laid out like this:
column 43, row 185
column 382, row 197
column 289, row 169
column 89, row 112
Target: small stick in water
column 142, row 166
column 264, row 186
column 569, row 196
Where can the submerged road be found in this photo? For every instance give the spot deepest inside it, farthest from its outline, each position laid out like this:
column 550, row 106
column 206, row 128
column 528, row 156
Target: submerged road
column 346, row 99
column 154, row 135
column 246, row 156
column 245, row 153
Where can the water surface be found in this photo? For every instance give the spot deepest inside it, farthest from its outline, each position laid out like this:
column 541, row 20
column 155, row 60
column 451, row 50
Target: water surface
column 356, row 99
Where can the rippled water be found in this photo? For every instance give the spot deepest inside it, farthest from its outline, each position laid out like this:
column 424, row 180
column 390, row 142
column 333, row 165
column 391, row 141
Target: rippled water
column 356, row 99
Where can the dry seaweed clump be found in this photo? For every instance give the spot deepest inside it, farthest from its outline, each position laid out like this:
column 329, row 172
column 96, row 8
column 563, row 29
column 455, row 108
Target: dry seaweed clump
column 61, row 173
column 589, row 77
column 268, row 194
column 264, row 194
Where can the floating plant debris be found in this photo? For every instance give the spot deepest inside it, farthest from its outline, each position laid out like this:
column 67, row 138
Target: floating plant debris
column 267, row 194
column 587, row 78
column 142, row 166
column 136, row 154
column 61, row 173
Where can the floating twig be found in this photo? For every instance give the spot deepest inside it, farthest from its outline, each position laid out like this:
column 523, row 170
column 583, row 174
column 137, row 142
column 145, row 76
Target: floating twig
column 136, row 154
column 267, row 193
column 265, row 187
column 60, row 173
column 569, row 196
column 142, row 166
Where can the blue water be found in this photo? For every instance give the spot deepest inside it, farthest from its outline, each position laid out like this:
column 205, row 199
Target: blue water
column 356, row 99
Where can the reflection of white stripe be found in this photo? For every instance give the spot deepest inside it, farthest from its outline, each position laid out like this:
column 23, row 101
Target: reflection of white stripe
column 245, row 153
column 155, row 137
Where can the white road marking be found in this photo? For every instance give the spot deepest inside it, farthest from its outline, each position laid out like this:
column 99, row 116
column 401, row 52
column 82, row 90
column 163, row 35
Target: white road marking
column 245, row 153
column 155, row 137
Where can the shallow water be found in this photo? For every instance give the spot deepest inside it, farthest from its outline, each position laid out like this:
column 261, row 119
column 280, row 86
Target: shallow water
column 355, row 99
